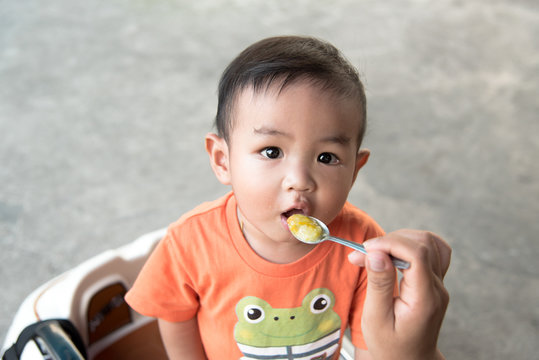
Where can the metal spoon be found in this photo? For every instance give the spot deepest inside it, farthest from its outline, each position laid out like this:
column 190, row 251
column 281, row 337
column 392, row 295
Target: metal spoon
column 316, row 237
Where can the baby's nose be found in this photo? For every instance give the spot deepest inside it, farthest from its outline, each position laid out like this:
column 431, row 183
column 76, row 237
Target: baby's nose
column 299, row 177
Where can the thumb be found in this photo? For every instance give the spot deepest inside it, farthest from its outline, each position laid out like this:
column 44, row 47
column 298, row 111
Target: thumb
column 381, row 278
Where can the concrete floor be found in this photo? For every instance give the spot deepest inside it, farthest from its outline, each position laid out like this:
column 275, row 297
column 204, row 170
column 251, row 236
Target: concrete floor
column 104, row 104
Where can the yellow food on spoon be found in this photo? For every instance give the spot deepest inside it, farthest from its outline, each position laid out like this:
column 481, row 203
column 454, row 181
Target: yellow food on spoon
column 304, row 228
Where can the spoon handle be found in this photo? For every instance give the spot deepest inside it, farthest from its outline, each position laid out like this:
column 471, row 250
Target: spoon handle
column 398, row 263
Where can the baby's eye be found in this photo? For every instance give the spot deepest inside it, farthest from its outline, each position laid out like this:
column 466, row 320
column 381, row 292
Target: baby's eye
column 271, row 152
column 328, row 158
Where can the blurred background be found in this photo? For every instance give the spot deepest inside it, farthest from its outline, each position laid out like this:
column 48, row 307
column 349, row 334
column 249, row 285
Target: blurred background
column 104, row 106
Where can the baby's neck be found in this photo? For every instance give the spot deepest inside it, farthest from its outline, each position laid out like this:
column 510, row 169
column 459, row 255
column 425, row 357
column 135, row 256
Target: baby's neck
column 279, row 253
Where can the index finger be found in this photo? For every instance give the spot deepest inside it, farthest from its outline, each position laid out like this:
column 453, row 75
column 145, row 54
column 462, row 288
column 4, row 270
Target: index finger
column 425, row 251
column 440, row 246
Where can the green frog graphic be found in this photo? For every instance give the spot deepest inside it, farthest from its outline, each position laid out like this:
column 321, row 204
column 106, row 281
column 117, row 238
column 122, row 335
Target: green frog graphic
column 310, row 331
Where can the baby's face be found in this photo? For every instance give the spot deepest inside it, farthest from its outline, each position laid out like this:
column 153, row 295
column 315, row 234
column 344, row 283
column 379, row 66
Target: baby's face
column 292, row 152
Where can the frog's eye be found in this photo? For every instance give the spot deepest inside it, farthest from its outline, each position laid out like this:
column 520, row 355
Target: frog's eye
column 253, row 314
column 320, row 303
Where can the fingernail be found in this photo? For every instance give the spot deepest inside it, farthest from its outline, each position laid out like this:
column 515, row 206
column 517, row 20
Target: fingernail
column 369, row 242
column 354, row 256
column 376, row 263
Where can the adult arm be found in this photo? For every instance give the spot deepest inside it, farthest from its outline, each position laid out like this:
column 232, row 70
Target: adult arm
column 407, row 326
column 182, row 339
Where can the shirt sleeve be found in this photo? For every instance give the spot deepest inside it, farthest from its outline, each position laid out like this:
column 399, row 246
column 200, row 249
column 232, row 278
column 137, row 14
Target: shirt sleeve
column 163, row 288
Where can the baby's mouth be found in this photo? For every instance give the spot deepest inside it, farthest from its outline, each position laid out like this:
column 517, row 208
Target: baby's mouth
column 285, row 215
column 291, row 212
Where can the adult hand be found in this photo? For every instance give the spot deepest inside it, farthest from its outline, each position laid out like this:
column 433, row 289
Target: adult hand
column 407, row 326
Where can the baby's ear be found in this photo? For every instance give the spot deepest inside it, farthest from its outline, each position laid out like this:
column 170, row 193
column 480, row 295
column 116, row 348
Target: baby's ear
column 361, row 159
column 217, row 149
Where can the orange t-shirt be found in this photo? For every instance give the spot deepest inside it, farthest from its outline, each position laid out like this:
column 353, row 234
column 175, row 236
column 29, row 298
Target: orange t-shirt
column 248, row 306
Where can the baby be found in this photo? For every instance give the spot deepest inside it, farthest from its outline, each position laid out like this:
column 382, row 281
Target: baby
column 229, row 280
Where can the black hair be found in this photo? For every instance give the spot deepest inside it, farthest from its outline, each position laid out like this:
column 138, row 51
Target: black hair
column 282, row 61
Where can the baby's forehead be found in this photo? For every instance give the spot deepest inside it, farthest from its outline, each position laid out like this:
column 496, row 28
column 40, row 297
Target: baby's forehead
column 249, row 97
column 270, row 111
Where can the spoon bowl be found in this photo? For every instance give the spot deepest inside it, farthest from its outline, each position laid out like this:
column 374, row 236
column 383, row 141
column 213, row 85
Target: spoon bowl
column 310, row 230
